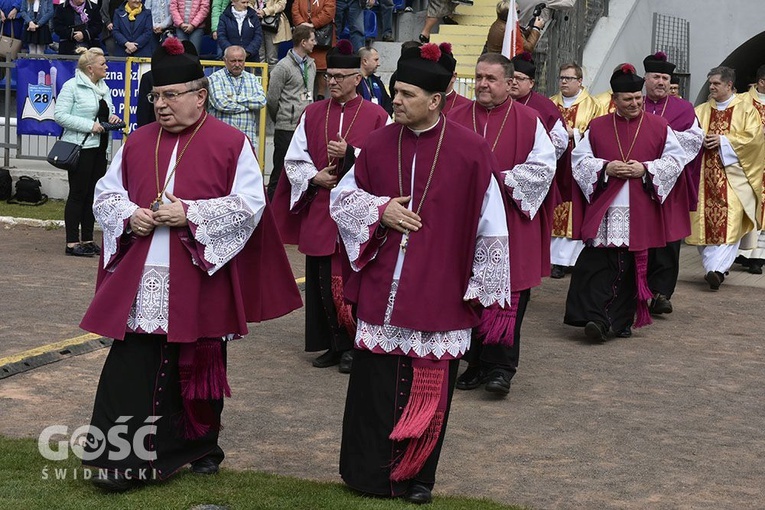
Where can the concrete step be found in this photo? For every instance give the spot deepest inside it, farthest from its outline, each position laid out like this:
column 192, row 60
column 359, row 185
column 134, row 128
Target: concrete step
column 469, row 39
column 477, row 10
column 480, row 21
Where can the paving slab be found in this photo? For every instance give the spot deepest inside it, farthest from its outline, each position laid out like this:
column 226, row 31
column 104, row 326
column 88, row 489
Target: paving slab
column 670, row 418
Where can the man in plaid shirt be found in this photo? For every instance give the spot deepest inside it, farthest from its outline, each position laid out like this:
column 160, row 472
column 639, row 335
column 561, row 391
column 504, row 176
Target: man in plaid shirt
column 236, row 96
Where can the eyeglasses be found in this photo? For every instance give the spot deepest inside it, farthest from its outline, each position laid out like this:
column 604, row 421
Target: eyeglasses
column 520, row 78
column 567, row 78
column 338, row 77
column 168, row 97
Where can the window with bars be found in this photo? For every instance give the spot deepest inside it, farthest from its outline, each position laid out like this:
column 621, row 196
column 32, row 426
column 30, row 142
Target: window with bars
column 671, row 35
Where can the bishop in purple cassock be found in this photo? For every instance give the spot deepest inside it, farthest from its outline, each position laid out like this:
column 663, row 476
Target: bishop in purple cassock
column 190, row 255
column 326, row 141
column 626, row 165
column 664, row 262
column 526, row 160
column 423, row 223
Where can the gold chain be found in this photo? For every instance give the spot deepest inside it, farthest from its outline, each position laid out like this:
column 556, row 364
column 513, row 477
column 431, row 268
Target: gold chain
column 340, row 128
column 619, row 143
column 663, row 109
column 475, row 127
column 405, row 240
column 157, row 201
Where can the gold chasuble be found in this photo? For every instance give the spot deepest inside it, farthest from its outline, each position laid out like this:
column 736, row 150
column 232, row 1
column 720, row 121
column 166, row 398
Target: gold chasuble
column 606, row 99
column 730, row 197
column 754, row 98
column 577, row 116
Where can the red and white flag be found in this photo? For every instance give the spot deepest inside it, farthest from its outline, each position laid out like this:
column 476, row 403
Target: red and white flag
column 511, row 32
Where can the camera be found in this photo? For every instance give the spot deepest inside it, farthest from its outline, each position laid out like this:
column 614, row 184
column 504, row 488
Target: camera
column 537, row 13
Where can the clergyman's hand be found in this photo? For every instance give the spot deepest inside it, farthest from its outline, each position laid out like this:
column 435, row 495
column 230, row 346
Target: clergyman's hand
column 397, row 217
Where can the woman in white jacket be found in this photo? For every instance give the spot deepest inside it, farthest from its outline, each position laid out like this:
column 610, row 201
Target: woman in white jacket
column 84, row 101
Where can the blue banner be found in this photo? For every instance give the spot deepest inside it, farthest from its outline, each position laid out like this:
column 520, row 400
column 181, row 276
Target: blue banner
column 38, row 83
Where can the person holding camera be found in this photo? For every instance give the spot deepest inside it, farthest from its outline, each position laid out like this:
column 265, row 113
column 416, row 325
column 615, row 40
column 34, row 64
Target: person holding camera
column 83, row 104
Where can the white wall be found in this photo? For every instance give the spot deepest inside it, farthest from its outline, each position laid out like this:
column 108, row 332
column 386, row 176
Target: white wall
column 715, row 33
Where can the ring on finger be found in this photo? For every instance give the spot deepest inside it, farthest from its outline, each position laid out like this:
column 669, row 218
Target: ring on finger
column 400, row 222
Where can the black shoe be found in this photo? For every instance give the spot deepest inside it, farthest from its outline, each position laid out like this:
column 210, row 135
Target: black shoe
column 92, row 247
column 755, row 267
column 463, row 2
column 557, row 272
column 498, row 381
column 742, row 260
column 448, row 20
column 625, row 333
column 115, row 482
column 424, row 39
column 346, row 362
column 78, row 250
column 595, row 331
column 328, row 359
column 418, row 494
column 661, row 304
column 205, row 466
column 471, row 378
column 388, row 38
column 714, row 279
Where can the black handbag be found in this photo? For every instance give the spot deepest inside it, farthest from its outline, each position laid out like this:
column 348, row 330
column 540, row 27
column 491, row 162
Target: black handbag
column 270, row 23
column 323, row 34
column 66, row 155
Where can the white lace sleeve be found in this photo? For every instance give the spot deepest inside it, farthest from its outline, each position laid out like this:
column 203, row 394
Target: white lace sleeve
column 111, row 206
column 490, row 281
column 665, row 170
column 585, row 167
column 355, row 211
column 224, row 225
column 691, row 140
column 298, row 164
column 559, row 137
column 530, row 181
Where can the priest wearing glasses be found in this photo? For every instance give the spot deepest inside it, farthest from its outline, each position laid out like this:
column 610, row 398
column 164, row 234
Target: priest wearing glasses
column 190, row 256
column 626, row 165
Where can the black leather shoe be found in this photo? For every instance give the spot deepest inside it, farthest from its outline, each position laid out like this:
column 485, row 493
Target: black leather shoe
column 755, row 267
column 498, row 381
column 115, row 482
column 92, row 248
column 78, row 250
column 328, row 359
column 205, row 466
column 471, row 378
column 714, row 279
column 557, row 272
column 424, row 39
column 448, row 20
column 595, row 331
column 625, row 333
column 742, row 260
column 661, row 304
column 418, row 494
column 346, row 362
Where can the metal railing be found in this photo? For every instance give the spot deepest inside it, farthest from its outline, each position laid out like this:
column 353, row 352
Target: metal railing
column 36, row 147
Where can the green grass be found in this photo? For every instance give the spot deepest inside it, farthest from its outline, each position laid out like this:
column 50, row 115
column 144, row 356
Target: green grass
column 51, row 210
column 22, row 486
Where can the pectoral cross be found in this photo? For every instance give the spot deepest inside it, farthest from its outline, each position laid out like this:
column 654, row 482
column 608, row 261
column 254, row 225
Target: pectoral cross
column 155, row 206
column 404, row 241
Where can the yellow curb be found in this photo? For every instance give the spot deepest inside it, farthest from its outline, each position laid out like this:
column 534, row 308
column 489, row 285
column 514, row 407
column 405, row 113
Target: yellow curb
column 56, row 346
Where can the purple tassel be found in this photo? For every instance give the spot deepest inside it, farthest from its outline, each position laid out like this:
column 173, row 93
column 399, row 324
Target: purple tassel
column 208, row 373
column 418, row 450
column 643, row 290
column 498, row 324
column 343, row 309
column 422, row 404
